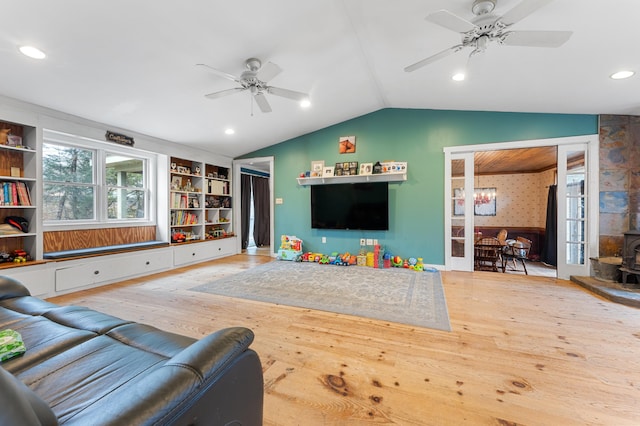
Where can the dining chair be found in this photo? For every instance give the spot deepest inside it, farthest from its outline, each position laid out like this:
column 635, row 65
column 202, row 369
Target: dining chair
column 487, row 254
column 515, row 251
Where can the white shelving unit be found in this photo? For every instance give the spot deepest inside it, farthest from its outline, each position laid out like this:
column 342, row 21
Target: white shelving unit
column 200, row 200
column 18, row 165
column 383, row 177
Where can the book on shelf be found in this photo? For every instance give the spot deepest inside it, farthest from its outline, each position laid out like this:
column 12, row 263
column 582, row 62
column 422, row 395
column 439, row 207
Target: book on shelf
column 15, row 194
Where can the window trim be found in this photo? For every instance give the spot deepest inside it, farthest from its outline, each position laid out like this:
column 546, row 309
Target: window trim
column 101, row 150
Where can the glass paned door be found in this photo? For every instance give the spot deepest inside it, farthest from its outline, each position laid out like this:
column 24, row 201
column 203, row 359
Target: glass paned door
column 459, row 212
column 574, row 188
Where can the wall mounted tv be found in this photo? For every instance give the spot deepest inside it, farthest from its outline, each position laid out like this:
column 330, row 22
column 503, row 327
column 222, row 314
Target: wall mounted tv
column 360, row 206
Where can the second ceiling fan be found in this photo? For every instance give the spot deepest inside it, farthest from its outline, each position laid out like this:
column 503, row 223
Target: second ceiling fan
column 487, row 27
column 255, row 79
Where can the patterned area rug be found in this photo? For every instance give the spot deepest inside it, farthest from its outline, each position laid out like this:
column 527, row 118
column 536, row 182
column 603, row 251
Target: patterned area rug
column 397, row 295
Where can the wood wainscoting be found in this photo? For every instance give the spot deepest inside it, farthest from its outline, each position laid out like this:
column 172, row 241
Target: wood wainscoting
column 90, row 238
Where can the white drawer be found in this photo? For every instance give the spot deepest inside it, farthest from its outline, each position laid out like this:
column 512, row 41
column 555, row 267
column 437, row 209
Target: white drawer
column 206, row 250
column 37, row 278
column 98, row 270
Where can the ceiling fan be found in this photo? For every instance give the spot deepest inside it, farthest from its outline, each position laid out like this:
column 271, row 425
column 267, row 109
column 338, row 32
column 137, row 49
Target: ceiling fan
column 487, row 27
column 255, row 79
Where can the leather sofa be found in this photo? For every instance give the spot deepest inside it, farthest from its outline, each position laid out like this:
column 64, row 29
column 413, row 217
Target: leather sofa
column 83, row 367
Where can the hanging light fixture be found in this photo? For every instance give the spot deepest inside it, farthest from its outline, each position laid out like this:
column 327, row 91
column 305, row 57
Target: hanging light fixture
column 479, row 196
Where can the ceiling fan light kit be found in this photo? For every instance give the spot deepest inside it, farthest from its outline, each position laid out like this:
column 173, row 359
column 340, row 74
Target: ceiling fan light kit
column 487, row 27
column 255, row 80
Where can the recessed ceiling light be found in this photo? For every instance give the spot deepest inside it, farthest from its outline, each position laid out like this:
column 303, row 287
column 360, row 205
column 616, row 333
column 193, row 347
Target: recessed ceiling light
column 32, row 52
column 229, row 131
column 621, row 74
column 306, row 103
column 458, row 76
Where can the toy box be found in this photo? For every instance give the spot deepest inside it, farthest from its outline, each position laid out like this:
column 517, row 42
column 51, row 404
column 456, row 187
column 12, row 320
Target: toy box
column 288, row 254
column 290, row 247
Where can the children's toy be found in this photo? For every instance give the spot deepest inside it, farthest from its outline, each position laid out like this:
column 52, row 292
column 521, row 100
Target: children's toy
column 290, row 247
column 396, row 261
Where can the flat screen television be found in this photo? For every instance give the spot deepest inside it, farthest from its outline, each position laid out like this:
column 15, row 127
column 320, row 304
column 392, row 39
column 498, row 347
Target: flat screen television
column 360, row 206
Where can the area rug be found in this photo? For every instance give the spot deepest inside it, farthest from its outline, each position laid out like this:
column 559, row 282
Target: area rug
column 397, row 295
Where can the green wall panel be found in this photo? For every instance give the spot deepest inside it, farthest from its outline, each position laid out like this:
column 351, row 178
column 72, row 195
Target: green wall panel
column 416, row 211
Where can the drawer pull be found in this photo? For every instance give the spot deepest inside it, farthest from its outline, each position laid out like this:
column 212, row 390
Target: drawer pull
column 193, row 254
column 147, row 263
column 96, row 272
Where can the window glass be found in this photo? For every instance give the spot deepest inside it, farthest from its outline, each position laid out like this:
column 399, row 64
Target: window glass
column 85, row 180
column 69, row 183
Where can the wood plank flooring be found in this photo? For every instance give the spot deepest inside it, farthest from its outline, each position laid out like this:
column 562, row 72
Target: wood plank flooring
column 523, row 351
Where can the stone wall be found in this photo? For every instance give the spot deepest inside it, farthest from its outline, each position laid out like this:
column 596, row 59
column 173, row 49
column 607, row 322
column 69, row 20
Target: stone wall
column 619, row 180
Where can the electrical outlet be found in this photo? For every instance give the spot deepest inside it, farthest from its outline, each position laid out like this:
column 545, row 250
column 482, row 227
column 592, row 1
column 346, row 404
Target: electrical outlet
column 369, row 242
column 375, row 242
column 324, row 240
column 363, row 241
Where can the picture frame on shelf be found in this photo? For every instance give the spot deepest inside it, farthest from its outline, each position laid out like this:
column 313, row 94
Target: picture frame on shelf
column 176, row 183
column 182, row 169
column 316, row 168
column 366, row 168
column 328, row 171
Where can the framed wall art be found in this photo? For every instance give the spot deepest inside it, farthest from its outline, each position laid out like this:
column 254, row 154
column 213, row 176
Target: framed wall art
column 485, row 202
column 347, row 145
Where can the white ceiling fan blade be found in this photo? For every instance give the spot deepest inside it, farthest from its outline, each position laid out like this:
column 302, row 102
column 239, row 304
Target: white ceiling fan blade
column 536, row 38
column 268, row 71
column 433, row 58
column 285, row 93
column 220, row 73
column 262, row 102
column 216, row 95
column 522, row 10
column 448, row 20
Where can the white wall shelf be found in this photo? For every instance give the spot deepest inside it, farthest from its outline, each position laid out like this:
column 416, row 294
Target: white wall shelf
column 383, row 177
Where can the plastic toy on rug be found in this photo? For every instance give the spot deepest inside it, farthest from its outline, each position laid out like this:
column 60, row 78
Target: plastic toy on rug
column 290, row 247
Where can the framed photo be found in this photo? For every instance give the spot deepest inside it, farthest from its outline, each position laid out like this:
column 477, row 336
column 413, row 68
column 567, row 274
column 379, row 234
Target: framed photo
column 366, row 168
column 485, row 206
column 317, row 168
column 328, row 171
column 458, row 202
column 176, row 183
column 182, row 169
column 347, row 145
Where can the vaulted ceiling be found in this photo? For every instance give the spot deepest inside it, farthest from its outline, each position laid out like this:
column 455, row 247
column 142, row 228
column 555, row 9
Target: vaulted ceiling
column 132, row 64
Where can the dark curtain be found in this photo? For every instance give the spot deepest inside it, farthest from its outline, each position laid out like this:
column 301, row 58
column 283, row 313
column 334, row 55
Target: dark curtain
column 261, row 220
column 549, row 253
column 245, row 213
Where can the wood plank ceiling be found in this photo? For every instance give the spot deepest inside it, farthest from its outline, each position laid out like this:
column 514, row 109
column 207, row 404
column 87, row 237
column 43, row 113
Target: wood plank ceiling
column 511, row 161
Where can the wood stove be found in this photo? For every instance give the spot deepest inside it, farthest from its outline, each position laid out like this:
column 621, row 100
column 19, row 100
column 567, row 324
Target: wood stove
column 631, row 255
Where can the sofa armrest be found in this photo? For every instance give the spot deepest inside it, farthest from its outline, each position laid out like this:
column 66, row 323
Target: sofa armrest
column 209, row 355
column 10, row 288
column 216, row 380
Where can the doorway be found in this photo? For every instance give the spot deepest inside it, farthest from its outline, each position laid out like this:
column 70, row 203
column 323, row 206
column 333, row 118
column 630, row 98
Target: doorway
column 577, row 235
column 253, row 209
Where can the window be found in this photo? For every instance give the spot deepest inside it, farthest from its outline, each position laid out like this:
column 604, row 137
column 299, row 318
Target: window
column 87, row 181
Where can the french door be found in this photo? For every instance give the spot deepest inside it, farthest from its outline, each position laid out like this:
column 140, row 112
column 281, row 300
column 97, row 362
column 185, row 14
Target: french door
column 459, row 211
column 577, row 210
column 577, row 215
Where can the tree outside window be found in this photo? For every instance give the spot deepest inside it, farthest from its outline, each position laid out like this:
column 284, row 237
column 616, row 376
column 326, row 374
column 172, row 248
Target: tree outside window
column 69, row 183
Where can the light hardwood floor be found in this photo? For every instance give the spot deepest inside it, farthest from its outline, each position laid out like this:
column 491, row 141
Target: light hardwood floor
column 523, row 350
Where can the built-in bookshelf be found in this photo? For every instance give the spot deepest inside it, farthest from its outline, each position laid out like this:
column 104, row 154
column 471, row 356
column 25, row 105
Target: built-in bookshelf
column 200, row 201
column 18, row 165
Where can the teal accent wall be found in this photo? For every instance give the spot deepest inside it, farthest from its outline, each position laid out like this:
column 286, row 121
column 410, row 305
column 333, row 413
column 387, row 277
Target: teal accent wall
column 416, row 210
